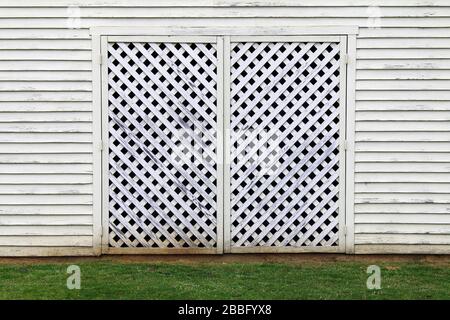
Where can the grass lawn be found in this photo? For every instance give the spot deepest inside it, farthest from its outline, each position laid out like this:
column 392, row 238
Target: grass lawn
column 116, row 280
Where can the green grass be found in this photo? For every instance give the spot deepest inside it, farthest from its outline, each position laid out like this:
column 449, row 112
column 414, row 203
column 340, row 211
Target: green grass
column 112, row 280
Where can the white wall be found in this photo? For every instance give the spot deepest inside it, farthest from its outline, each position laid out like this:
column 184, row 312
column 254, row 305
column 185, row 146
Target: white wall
column 402, row 172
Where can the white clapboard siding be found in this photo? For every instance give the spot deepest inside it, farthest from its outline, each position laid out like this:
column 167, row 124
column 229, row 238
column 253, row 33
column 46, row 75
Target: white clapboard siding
column 400, row 167
column 401, row 228
column 402, row 198
column 44, row 34
column 41, row 76
column 402, row 219
column 207, row 12
column 39, row 65
column 402, row 176
column 53, row 210
column 50, row 55
column 47, row 241
column 47, row 199
column 28, row 43
column 42, row 168
column 55, row 158
column 50, row 86
column 57, row 96
column 74, row 230
column 45, row 220
column 45, row 178
column 45, row 137
column 402, row 238
column 34, row 127
column 45, row 116
column 418, row 136
column 45, row 148
column 399, row 188
column 46, row 106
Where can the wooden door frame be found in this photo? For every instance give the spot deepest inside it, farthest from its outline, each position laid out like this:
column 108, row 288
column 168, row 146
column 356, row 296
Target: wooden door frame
column 342, row 42
column 100, row 35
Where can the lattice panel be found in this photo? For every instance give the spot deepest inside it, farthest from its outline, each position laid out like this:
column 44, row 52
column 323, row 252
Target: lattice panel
column 285, row 144
column 162, row 145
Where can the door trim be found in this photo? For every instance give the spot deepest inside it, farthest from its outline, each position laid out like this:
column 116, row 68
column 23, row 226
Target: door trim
column 100, row 35
column 342, row 42
column 105, row 248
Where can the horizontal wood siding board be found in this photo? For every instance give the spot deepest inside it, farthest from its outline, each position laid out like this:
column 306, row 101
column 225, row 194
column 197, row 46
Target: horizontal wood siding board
column 403, row 219
column 42, row 230
column 86, row 23
column 223, row 3
column 23, row 209
column 46, row 241
column 56, row 250
column 402, row 249
column 400, row 239
column 224, row 12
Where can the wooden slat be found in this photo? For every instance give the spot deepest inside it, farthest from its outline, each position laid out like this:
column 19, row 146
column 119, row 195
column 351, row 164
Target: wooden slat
column 400, row 167
column 45, row 220
column 48, row 158
column 57, row 76
column 45, row 55
column 207, row 11
column 384, row 22
column 38, row 65
column 402, row 85
column 386, row 95
column 403, row 126
column 399, row 136
column 428, row 147
column 402, row 208
column 397, row 187
column 25, row 199
column 25, row 137
column 31, row 148
column 45, row 179
column 387, row 218
column 402, row 74
column 391, row 43
column 42, row 44
column 30, row 231
column 46, row 106
column 43, row 34
column 402, row 239
column 226, row 3
column 50, row 168
column 47, row 86
column 53, row 210
column 47, row 126
column 46, row 241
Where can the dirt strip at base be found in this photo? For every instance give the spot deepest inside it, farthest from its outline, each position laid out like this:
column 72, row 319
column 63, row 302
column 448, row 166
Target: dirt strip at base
column 238, row 258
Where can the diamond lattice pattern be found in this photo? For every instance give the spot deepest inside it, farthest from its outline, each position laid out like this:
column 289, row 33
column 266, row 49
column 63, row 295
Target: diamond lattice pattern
column 284, row 144
column 162, row 144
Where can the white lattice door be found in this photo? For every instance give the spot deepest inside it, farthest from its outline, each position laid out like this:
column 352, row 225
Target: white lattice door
column 223, row 143
column 163, row 173
column 286, row 164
